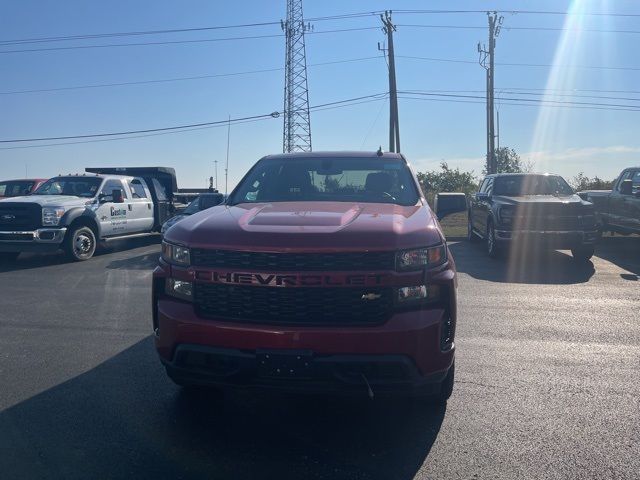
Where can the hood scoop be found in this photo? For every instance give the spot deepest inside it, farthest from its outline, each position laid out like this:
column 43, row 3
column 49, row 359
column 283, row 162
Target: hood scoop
column 274, row 218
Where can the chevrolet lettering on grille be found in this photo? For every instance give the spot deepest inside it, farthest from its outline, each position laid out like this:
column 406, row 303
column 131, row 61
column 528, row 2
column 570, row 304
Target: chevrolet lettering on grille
column 292, row 280
column 8, row 217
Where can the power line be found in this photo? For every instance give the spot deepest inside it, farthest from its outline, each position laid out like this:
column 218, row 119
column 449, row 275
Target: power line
column 319, row 108
column 503, row 64
column 540, row 92
column 179, row 79
column 188, row 126
column 138, row 44
column 177, row 42
column 557, row 102
column 542, row 29
column 517, row 12
column 91, row 36
column 511, row 103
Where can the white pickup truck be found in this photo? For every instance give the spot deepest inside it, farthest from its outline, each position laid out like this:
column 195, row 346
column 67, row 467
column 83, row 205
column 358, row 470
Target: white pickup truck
column 76, row 212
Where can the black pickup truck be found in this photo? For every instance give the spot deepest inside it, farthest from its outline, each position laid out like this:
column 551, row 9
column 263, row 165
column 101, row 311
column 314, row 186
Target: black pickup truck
column 618, row 210
column 533, row 211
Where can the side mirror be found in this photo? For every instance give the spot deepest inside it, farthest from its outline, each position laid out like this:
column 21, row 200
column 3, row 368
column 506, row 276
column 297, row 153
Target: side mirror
column 102, row 198
column 482, row 196
column 449, row 203
column 626, row 187
column 117, row 195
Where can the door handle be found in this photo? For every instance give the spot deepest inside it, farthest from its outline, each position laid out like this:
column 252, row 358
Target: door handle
column 130, row 207
column 148, row 206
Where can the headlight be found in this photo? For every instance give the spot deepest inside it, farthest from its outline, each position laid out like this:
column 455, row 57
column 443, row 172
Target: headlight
column 421, row 257
column 51, row 215
column 176, row 254
column 179, row 289
column 506, row 215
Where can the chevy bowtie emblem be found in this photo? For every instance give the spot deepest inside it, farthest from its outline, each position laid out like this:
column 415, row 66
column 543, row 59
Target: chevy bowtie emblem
column 8, row 217
column 370, row 296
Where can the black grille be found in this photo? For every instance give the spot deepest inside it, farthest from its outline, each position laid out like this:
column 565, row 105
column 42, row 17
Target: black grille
column 301, row 306
column 16, row 236
column 549, row 223
column 17, row 216
column 294, row 262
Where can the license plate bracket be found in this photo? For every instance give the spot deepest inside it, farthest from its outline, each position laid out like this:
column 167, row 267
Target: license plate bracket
column 288, row 364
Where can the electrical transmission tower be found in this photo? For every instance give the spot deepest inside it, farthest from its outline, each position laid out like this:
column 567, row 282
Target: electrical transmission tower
column 297, row 123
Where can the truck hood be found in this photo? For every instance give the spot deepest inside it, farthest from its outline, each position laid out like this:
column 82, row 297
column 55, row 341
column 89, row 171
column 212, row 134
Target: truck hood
column 50, row 200
column 317, row 226
column 538, row 199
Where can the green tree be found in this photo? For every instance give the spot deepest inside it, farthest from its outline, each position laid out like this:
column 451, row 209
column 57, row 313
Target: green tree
column 582, row 182
column 447, row 179
column 510, row 162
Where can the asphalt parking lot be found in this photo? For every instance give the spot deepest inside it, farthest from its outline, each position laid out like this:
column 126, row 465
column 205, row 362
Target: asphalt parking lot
column 547, row 383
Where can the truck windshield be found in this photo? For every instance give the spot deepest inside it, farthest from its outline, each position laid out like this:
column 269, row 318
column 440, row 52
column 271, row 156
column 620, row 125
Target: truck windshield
column 77, row 186
column 515, row 185
column 331, row 179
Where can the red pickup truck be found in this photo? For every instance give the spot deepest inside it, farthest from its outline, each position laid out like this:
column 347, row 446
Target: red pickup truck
column 322, row 272
column 18, row 188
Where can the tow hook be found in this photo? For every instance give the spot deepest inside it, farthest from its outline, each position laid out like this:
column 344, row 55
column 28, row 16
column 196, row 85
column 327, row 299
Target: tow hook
column 369, row 390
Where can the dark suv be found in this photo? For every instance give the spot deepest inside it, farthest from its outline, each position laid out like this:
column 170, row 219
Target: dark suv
column 532, row 211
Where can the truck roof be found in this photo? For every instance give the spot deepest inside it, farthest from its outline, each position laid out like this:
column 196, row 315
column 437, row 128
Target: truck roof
column 166, row 175
column 335, row 154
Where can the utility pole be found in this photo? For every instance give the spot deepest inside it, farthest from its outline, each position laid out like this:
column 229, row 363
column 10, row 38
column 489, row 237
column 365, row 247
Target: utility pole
column 394, row 124
column 494, row 30
column 297, row 122
column 215, row 163
column 498, row 129
column 226, row 169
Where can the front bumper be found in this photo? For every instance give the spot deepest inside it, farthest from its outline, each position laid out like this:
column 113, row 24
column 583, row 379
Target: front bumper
column 40, row 240
column 404, row 354
column 556, row 239
column 300, row 371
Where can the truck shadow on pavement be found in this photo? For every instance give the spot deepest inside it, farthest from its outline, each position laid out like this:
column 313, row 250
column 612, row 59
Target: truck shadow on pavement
column 125, row 419
column 27, row 261
column 623, row 252
column 546, row 267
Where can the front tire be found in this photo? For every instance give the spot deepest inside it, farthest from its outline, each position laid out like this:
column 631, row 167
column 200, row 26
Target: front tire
column 471, row 235
column 493, row 248
column 582, row 254
column 446, row 387
column 80, row 244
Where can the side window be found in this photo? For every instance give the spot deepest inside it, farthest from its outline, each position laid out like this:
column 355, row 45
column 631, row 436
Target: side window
column 490, row 186
column 626, row 175
column 111, row 185
column 137, row 189
column 161, row 193
column 635, row 178
column 487, row 186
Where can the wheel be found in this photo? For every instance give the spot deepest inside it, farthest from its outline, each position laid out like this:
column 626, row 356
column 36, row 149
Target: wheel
column 446, row 387
column 471, row 235
column 80, row 243
column 582, row 254
column 8, row 257
column 493, row 248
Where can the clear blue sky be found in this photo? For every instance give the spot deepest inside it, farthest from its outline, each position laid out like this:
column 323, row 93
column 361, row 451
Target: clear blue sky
column 598, row 142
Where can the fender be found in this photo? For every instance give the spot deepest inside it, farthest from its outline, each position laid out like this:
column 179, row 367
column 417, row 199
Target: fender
column 80, row 212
